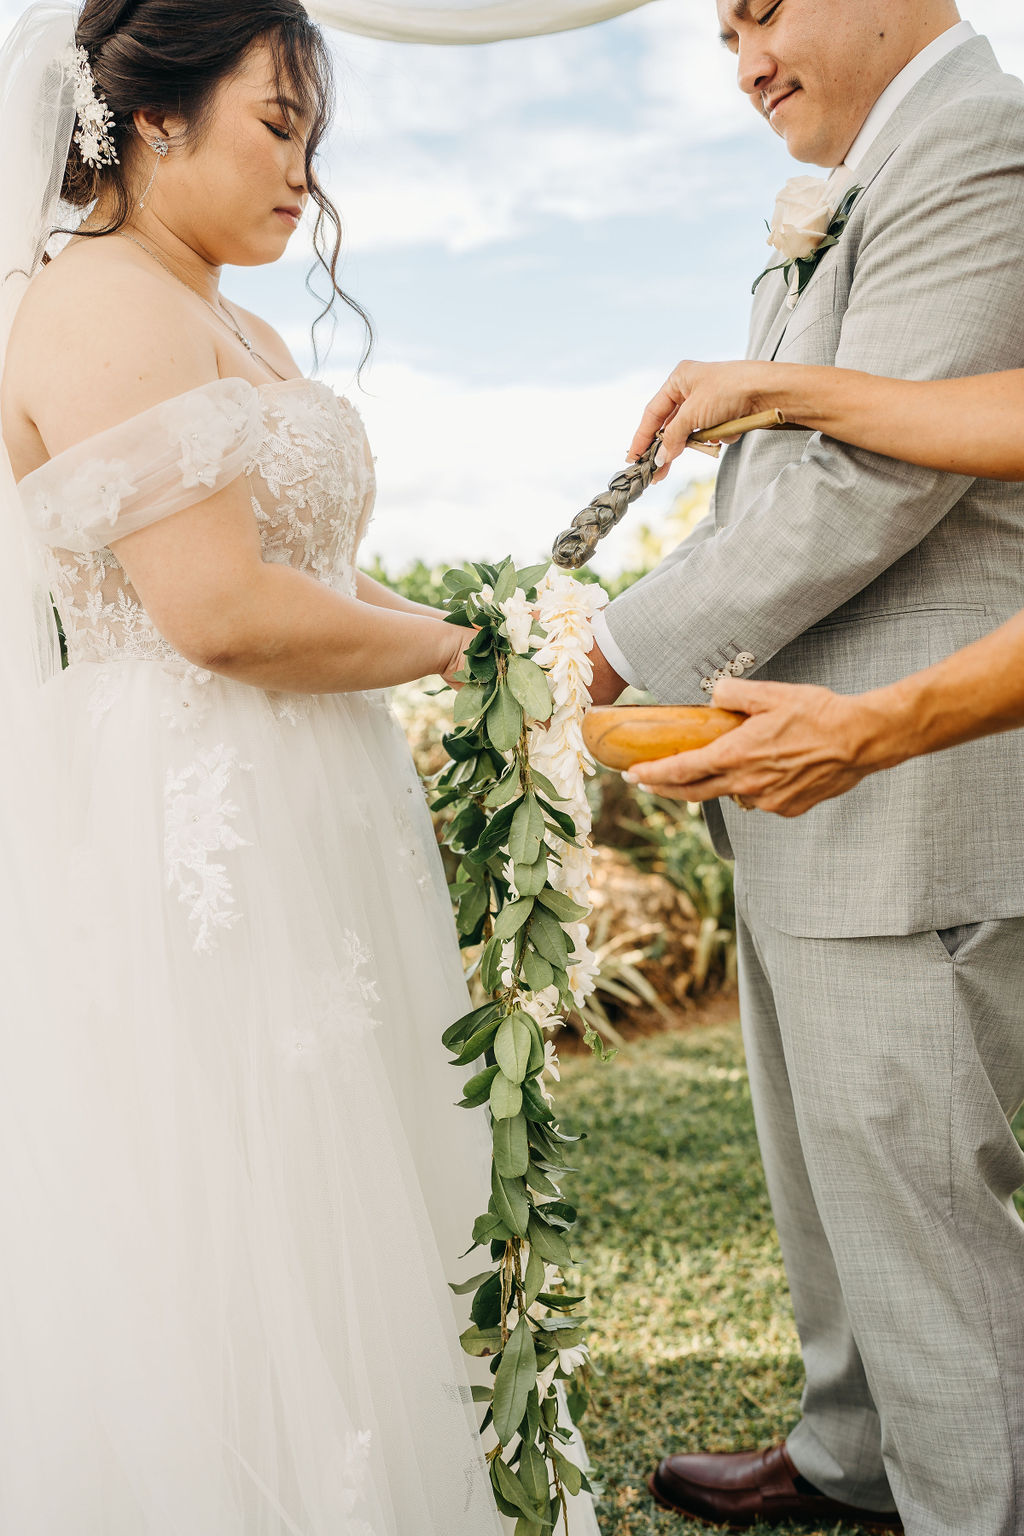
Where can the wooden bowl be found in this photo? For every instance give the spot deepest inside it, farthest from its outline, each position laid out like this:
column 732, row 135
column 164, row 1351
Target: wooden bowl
column 619, row 735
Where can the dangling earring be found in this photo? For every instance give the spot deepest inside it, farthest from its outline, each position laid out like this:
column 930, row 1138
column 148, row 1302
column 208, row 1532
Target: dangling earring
column 160, row 148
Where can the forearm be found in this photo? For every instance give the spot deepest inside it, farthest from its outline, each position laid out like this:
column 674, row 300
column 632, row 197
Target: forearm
column 286, row 630
column 370, row 591
column 970, row 426
column 975, row 692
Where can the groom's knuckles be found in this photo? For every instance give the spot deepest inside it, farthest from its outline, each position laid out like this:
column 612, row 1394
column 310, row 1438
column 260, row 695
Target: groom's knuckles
column 747, row 695
column 730, row 687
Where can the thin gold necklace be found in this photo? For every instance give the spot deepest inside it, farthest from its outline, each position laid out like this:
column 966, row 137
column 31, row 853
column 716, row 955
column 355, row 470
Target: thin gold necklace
column 225, row 319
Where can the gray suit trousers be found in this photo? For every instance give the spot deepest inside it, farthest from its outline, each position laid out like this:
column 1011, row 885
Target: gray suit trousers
column 884, row 1074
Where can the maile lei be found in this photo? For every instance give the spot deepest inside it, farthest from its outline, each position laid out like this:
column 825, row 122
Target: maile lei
column 520, row 825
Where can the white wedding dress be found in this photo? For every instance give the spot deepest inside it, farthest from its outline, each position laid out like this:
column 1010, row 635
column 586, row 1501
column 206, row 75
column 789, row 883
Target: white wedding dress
column 233, row 1182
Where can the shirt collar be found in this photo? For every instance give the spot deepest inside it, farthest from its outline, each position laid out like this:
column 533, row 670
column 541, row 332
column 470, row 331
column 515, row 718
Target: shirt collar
column 901, row 86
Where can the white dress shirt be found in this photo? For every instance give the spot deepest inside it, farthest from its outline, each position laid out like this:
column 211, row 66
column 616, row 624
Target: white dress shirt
column 884, row 108
column 897, row 90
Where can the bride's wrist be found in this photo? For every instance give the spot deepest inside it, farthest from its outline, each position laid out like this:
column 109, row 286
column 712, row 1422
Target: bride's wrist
column 451, row 648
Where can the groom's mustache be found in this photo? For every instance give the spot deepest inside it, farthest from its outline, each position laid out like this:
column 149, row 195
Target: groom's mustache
column 769, row 99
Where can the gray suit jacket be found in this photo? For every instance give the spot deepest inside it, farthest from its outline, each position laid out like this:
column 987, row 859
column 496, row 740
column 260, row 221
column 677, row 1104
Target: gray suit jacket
column 834, row 566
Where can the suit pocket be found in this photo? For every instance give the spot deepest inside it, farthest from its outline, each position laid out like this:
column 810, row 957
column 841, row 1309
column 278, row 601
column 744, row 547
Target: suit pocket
column 852, row 654
column 904, row 610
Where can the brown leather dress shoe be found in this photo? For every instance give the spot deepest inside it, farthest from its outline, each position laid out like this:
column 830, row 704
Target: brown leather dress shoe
column 738, row 1489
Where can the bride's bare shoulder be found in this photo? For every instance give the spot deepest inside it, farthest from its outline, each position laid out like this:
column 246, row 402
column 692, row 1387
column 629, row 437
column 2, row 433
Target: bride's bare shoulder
column 98, row 337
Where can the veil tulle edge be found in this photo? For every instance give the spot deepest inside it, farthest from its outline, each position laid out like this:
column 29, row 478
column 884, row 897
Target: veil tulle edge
column 37, row 119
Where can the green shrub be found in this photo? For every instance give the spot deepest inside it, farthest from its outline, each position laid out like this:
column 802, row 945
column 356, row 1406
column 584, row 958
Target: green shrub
column 421, row 583
column 673, row 839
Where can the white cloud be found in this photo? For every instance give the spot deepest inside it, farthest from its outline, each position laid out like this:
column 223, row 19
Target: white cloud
column 461, row 147
column 1003, row 24
column 468, row 472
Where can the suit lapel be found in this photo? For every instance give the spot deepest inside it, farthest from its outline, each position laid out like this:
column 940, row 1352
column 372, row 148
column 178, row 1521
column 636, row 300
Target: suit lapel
column 768, row 298
column 768, row 327
column 775, row 332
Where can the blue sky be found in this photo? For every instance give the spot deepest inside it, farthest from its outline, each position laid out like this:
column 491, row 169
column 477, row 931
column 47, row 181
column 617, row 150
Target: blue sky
column 540, row 229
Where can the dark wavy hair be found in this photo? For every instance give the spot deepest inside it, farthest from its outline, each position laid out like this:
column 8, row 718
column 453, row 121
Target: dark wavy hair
column 171, row 55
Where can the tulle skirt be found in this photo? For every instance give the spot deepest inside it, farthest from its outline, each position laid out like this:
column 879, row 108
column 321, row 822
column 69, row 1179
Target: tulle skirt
column 233, row 1182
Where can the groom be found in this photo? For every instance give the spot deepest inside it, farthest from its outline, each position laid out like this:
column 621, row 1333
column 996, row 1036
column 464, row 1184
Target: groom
column 881, row 935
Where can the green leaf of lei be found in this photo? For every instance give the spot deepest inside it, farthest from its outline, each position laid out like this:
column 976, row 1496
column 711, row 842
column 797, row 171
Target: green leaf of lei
column 516, row 1376
column 530, row 686
column 512, row 1048
column 512, row 1204
column 506, row 1099
column 504, row 720
column 511, row 1147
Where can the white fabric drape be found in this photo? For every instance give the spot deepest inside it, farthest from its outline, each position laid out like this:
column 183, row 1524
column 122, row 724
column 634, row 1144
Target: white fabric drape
column 491, row 22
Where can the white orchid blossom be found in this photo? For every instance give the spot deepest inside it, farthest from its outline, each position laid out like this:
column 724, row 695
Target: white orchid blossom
column 565, row 609
column 508, row 872
column 566, row 1360
column 542, row 1006
column 546, row 1378
column 518, row 622
column 572, row 1358
column 551, row 1061
column 508, row 954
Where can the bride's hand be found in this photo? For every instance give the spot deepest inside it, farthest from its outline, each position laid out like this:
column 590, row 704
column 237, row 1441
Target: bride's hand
column 699, row 395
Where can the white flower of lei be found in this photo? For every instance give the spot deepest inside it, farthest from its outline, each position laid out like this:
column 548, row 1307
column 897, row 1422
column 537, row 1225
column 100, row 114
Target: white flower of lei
column 565, row 609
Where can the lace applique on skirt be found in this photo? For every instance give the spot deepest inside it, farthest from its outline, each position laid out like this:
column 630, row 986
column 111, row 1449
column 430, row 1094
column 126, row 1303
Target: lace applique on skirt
column 198, row 817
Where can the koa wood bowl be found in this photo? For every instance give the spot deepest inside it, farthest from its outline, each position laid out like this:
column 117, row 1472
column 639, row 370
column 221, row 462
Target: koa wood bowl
column 619, row 735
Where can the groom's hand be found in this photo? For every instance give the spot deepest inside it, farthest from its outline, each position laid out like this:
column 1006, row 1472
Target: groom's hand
column 606, row 684
column 799, row 746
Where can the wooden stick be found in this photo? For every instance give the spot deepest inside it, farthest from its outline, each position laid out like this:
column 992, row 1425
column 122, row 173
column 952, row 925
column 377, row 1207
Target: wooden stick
column 712, row 436
column 577, row 543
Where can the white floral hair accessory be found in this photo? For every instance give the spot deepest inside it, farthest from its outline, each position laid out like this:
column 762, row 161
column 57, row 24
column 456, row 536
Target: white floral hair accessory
column 93, row 135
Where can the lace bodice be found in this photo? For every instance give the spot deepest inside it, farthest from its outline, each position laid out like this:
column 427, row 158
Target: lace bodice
column 301, row 448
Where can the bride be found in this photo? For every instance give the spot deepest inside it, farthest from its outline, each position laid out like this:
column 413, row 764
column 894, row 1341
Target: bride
column 232, row 1182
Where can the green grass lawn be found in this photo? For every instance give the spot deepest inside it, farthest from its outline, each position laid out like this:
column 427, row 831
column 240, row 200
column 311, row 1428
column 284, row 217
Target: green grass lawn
column 691, row 1325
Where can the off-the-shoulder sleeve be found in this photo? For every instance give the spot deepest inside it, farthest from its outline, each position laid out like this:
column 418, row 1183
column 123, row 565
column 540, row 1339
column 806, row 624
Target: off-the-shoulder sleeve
column 165, row 459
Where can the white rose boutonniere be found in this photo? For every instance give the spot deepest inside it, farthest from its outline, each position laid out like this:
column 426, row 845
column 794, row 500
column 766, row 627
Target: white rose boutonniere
column 801, row 218
column 808, row 220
